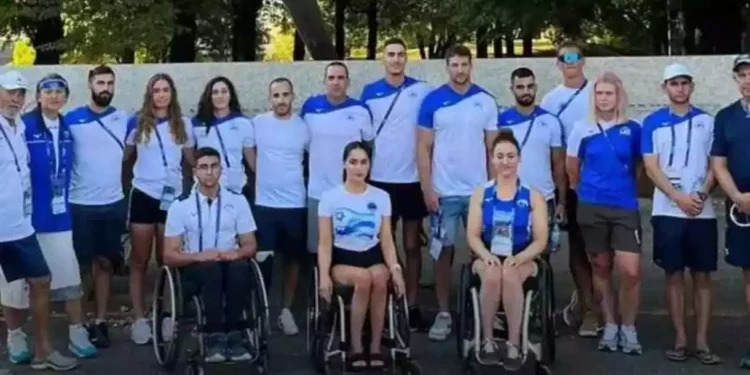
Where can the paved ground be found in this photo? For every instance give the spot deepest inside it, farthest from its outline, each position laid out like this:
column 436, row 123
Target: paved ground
column 575, row 355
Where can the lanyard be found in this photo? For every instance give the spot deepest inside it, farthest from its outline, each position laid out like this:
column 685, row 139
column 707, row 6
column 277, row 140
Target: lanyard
column 612, row 147
column 528, row 131
column 572, row 97
column 56, row 170
column 112, row 135
column 161, row 148
column 221, row 143
column 689, row 139
column 200, row 220
column 12, row 150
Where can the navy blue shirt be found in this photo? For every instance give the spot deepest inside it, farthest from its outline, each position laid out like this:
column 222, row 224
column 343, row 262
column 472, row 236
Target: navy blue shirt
column 732, row 141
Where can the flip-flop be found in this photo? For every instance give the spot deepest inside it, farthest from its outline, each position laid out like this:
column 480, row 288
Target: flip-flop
column 707, row 357
column 376, row 361
column 678, row 354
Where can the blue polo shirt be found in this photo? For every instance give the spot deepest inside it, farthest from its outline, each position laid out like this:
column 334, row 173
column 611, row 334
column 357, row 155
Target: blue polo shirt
column 608, row 163
column 732, row 141
column 50, row 156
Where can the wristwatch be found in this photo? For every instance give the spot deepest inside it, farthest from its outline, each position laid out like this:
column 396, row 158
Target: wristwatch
column 703, row 196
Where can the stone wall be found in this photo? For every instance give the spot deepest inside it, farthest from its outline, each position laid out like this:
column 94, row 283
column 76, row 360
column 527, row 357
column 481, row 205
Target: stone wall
column 642, row 76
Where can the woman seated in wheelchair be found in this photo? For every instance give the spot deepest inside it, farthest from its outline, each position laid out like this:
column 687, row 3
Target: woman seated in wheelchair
column 507, row 229
column 355, row 248
column 209, row 237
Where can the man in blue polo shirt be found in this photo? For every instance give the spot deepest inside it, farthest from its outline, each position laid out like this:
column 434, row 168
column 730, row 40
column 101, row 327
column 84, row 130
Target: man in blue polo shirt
column 457, row 123
column 676, row 141
column 729, row 158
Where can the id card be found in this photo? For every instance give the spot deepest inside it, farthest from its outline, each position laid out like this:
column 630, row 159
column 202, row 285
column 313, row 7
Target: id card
column 436, row 235
column 58, row 199
column 27, row 205
column 502, row 233
column 167, row 197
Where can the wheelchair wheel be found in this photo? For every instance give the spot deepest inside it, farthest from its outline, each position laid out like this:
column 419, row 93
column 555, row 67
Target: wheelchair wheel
column 549, row 345
column 167, row 305
column 259, row 315
column 465, row 316
column 411, row 368
column 312, row 313
column 399, row 321
column 542, row 369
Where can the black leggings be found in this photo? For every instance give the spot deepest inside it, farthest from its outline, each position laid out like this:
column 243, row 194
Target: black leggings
column 224, row 288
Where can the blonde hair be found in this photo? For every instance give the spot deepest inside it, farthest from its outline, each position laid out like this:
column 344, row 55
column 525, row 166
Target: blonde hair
column 620, row 94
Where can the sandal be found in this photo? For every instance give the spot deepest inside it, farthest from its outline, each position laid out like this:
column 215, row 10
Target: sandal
column 707, row 358
column 356, row 362
column 678, row 354
column 376, row 361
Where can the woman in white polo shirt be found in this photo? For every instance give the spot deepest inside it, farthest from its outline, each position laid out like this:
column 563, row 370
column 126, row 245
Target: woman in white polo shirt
column 158, row 138
column 355, row 247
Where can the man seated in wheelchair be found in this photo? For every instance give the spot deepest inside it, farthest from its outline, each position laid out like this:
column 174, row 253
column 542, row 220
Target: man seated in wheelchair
column 355, row 248
column 507, row 230
column 209, row 237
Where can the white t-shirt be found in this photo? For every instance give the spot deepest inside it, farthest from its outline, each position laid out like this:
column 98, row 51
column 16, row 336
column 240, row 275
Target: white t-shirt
column 459, row 123
column 15, row 224
column 332, row 127
column 395, row 159
column 536, row 153
column 689, row 174
column 281, row 145
column 150, row 175
column 356, row 218
column 574, row 111
column 236, row 219
column 97, row 164
column 54, row 128
column 236, row 133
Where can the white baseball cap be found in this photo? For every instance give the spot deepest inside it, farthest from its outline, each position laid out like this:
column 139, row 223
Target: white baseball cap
column 676, row 70
column 13, row 80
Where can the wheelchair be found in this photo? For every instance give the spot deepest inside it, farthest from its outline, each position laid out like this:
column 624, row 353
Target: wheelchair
column 537, row 325
column 185, row 314
column 327, row 331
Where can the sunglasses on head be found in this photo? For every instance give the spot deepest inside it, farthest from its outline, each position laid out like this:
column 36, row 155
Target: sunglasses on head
column 569, row 57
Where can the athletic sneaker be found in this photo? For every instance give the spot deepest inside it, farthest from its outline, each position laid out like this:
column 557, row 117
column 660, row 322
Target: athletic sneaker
column 570, row 311
column 236, row 350
column 441, row 328
column 513, row 360
column 629, row 340
column 18, row 347
column 490, row 353
column 55, row 361
column 417, row 322
column 99, row 335
column 140, row 332
column 498, row 324
column 216, row 347
column 589, row 326
column 287, row 323
column 79, row 343
column 608, row 342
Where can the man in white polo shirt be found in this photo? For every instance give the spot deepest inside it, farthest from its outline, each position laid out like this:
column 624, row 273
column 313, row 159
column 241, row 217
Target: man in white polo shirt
column 20, row 254
column 676, row 144
column 334, row 119
column 394, row 102
column 97, row 204
column 280, row 138
column 457, row 123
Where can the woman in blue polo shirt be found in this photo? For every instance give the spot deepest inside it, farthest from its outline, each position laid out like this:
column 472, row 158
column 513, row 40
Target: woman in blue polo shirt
column 602, row 163
column 507, row 229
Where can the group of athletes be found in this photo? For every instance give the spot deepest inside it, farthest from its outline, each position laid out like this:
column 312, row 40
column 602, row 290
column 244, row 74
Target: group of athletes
column 406, row 151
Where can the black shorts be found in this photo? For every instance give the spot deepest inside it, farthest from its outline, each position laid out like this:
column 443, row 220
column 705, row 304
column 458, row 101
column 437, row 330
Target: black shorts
column 361, row 259
column 145, row 209
column 681, row 242
column 606, row 229
column 22, row 259
column 98, row 231
column 737, row 243
column 282, row 229
column 407, row 201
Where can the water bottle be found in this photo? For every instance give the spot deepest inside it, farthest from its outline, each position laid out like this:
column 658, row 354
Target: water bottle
column 554, row 237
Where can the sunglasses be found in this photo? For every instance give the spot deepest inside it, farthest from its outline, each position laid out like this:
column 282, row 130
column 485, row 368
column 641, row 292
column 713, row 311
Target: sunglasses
column 569, row 57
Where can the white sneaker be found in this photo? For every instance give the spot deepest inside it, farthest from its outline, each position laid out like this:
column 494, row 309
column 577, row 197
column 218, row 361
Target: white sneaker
column 80, row 345
column 140, row 332
column 18, row 347
column 441, row 328
column 287, row 323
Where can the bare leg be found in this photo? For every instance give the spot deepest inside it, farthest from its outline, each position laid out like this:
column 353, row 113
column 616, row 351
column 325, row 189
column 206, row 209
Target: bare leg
column 291, row 274
column 602, row 271
column 443, row 278
column 702, row 300
column 141, row 237
column 362, row 281
column 378, row 299
column 413, row 259
column 675, row 294
column 513, row 298
column 490, row 294
column 102, row 273
column 39, row 296
column 74, row 311
column 629, row 266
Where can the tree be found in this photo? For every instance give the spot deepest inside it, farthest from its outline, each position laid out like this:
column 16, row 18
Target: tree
column 309, row 20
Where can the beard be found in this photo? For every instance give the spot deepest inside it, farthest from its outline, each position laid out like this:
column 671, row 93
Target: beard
column 102, row 99
column 525, row 100
column 282, row 109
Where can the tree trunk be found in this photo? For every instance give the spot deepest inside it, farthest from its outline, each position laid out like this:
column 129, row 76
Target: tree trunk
column 372, row 29
column 528, row 44
column 510, row 45
column 182, row 48
column 339, row 24
column 312, row 29
column 482, row 45
column 245, row 29
column 45, row 29
column 299, row 48
column 128, row 56
column 497, row 45
column 422, row 47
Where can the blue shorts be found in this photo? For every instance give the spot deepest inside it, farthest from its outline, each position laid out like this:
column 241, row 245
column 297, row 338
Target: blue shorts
column 737, row 243
column 23, row 259
column 98, row 231
column 453, row 209
column 681, row 243
column 282, row 229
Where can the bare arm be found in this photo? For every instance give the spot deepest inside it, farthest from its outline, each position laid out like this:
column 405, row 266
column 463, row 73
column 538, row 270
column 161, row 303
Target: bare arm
column 173, row 256
column 325, row 244
column 572, row 166
column 425, row 141
column 474, row 225
column 489, row 137
column 188, row 153
column 251, row 157
column 710, row 184
column 387, row 244
column 654, row 172
column 539, row 228
column 719, row 166
column 558, row 173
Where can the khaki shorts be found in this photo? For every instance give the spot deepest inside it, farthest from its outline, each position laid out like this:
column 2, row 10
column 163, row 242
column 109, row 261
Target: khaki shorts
column 606, row 229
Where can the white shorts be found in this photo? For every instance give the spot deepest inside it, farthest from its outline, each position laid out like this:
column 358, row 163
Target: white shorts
column 63, row 265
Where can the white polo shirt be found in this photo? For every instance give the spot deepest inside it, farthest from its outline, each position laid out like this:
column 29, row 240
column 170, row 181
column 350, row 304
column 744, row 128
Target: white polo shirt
column 15, row 225
column 459, row 122
column 356, row 218
column 228, row 135
column 569, row 107
column 231, row 209
column 281, row 144
column 97, row 164
column 150, row 175
column 689, row 162
column 537, row 134
column 332, row 127
column 395, row 159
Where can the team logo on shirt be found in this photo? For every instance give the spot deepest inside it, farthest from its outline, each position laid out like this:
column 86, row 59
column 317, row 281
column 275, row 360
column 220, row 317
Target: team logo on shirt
column 372, row 206
column 478, row 104
column 352, row 223
column 350, row 117
column 523, row 203
column 413, row 95
column 625, row 131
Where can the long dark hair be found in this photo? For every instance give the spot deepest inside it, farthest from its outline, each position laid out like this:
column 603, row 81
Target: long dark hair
column 358, row 145
column 147, row 119
column 206, row 105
